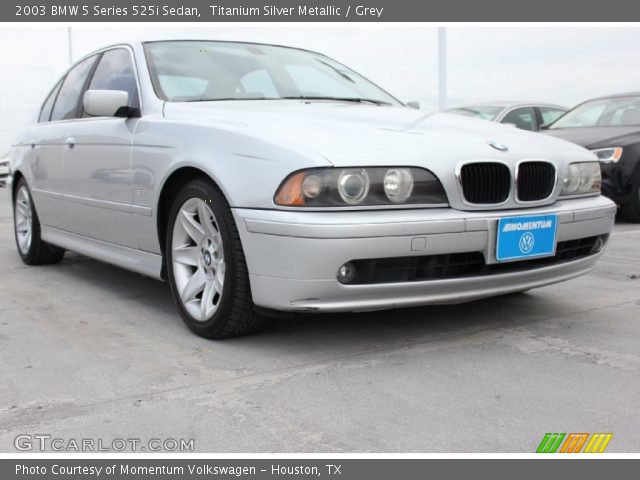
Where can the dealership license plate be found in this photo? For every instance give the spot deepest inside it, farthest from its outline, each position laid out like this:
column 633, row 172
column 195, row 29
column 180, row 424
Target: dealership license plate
column 520, row 238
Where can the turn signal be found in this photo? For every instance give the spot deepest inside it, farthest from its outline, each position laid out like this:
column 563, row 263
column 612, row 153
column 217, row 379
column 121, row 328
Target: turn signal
column 290, row 193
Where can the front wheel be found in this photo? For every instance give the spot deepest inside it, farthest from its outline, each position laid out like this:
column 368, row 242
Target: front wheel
column 206, row 266
column 26, row 226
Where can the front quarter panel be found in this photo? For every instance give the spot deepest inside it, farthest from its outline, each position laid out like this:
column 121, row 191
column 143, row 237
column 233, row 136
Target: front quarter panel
column 247, row 169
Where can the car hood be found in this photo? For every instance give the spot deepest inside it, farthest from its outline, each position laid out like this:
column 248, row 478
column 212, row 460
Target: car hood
column 347, row 134
column 595, row 137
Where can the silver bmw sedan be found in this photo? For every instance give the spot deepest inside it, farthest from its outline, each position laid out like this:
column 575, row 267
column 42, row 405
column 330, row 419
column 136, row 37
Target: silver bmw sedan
column 259, row 178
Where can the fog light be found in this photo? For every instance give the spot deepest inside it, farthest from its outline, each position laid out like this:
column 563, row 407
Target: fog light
column 599, row 244
column 346, row 273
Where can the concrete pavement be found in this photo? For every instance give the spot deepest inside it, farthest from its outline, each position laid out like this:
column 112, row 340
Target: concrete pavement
column 91, row 351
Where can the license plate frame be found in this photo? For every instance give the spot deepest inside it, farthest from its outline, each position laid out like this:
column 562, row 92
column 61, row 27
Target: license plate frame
column 524, row 237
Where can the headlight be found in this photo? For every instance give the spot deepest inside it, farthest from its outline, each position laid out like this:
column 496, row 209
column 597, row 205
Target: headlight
column 344, row 187
column 353, row 185
column 608, row 155
column 582, row 178
column 398, row 184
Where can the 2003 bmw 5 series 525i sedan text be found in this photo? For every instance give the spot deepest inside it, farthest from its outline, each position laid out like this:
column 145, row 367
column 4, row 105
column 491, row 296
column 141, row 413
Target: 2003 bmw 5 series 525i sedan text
column 257, row 178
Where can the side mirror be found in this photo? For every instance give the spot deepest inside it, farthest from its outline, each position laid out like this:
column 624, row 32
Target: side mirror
column 106, row 103
column 413, row 104
column 545, row 126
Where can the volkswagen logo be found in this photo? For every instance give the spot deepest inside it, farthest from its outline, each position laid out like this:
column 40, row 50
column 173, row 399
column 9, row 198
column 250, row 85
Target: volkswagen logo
column 526, row 242
column 501, row 147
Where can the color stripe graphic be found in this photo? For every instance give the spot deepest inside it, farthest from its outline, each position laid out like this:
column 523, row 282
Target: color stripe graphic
column 550, row 443
column 598, row 442
column 573, row 443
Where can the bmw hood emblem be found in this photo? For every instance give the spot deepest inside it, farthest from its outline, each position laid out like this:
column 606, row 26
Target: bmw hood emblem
column 498, row 146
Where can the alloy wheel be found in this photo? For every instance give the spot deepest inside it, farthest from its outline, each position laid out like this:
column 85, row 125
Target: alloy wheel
column 23, row 220
column 198, row 259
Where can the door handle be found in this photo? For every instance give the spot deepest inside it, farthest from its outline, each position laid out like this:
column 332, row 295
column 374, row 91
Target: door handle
column 71, row 142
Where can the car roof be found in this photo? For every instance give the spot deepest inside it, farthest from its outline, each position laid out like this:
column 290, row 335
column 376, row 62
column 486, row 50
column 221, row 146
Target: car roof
column 139, row 42
column 615, row 95
column 511, row 104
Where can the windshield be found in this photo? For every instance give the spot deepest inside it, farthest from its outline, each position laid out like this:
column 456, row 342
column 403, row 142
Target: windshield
column 188, row 71
column 608, row 112
column 485, row 112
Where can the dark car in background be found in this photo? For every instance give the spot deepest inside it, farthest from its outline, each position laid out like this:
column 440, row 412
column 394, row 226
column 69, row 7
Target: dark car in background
column 526, row 116
column 610, row 127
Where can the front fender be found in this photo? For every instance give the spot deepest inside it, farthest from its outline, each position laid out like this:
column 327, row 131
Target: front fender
column 247, row 168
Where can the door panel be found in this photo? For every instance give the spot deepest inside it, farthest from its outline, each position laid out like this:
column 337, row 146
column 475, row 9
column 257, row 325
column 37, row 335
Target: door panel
column 41, row 161
column 46, row 142
column 97, row 164
column 46, row 172
column 97, row 158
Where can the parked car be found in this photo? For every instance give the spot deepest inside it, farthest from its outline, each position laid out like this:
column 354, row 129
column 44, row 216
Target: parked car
column 526, row 116
column 266, row 178
column 4, row 170
column 610, row 127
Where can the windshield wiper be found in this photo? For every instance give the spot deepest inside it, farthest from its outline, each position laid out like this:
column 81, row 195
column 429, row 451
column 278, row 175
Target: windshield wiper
column 338, row 99
column 222, row 99
column 338, row 71
column 299, row 97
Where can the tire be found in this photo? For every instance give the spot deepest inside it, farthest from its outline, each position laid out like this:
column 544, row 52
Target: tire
column 206, row 266
column 26, row 228
column 631, row 209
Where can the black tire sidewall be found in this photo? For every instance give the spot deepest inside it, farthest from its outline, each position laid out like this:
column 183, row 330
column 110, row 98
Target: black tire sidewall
column 207, row 191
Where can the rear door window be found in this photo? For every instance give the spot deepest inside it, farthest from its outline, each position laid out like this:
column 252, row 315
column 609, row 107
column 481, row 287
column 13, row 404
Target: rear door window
column 67, row 104
column 523, row 118
column 45, row 113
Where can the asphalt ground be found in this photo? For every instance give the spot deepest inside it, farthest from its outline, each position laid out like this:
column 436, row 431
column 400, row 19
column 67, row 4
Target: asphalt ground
column 90, row 351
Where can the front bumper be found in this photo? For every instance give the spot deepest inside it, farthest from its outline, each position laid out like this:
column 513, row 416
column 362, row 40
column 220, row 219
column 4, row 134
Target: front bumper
column 293, row 257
